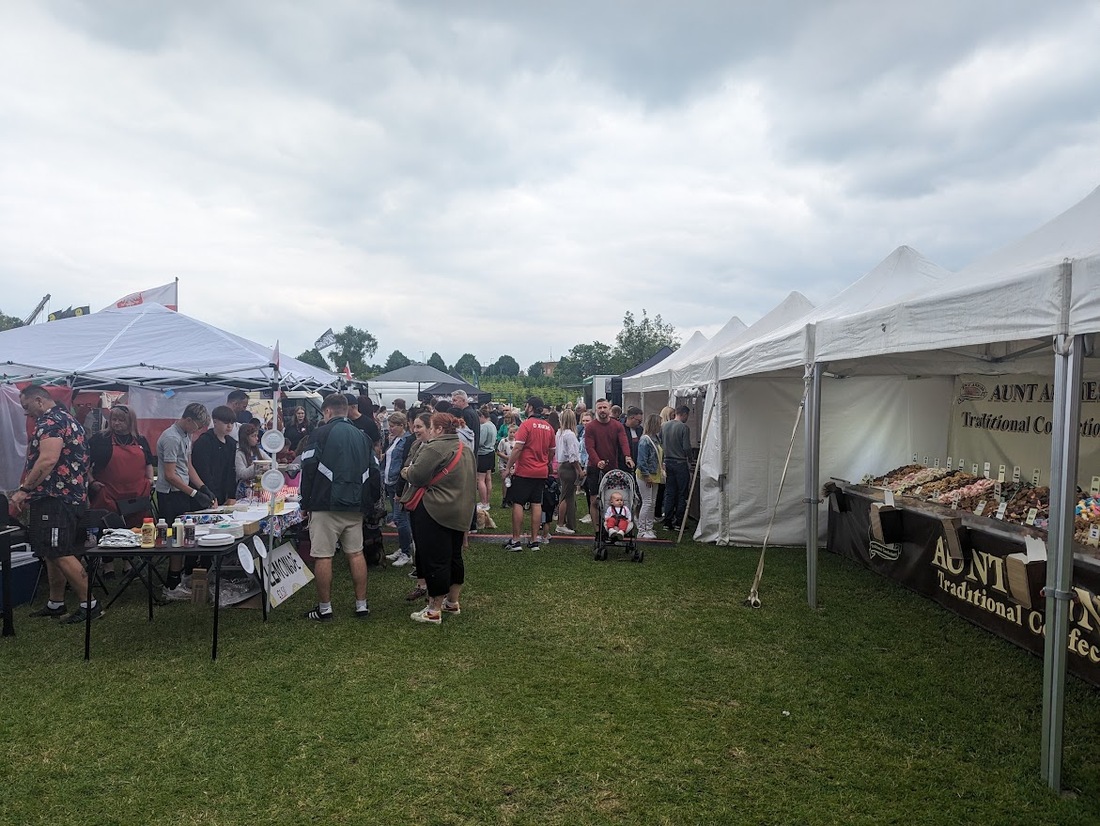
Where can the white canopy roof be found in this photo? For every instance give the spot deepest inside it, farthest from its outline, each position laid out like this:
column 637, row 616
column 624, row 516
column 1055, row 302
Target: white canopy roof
column 901, row 273
column 146, row 345
column 659, row 377
column 704, row 367
column 1020, row 293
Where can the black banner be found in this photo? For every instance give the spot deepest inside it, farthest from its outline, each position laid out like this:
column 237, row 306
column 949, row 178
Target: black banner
column 976, row 586
column 69, row 312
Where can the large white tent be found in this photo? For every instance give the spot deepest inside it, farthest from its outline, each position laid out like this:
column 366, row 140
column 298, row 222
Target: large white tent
column 151, row 346
column 1033, row 301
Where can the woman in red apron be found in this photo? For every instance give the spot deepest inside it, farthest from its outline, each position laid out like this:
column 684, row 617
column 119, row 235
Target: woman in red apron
column 122, row 466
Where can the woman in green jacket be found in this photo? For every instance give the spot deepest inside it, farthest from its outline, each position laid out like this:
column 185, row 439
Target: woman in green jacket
column 443, row 514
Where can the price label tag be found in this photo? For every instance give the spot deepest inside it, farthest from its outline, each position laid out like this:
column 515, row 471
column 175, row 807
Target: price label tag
column 918, row 490
column 961, row 464
column 1016, row 475
column 949, row 464
column 997, row 489
column 1031, row 514
column 978, row 511
column 1001, row 510
column 914, row 458
column 1001, row 474
column 937, row 463
column 1094, row 488
column 985, row 471
column 1035, row 477
column 955, row 497
column 926, row 461
column 1094, row 535
column 888, row 497
column 974, row 469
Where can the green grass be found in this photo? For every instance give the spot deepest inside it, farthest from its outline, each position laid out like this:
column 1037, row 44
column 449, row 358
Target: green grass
column 569, row 691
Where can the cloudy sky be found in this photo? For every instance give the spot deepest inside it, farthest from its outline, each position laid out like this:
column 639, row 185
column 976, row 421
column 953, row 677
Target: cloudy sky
column 511, row 177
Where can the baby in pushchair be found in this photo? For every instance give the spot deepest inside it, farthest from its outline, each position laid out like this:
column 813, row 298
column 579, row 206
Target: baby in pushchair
column 617, row 518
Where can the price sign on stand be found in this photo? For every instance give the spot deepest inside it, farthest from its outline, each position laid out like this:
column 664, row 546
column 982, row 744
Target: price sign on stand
column 1031, row 514
column 1001, row 510
column 974, row 469
column 1094, row 488
column 962, row 464
column 985, row 471
column 937, row 464
column 284, row 574
column 1094, row 535
column 888, row 497
column 1001, row 474
column 978, row 511
column 1016, row 475
column 914, row 458
column 997, row 489
column 1035, row 477
column 955, row 497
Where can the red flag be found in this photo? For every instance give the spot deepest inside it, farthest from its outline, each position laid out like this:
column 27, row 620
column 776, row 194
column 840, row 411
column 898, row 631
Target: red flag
column 347, row 371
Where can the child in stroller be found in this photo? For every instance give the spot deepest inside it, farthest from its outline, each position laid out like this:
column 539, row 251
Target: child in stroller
column 617, row 496
column 617, row 518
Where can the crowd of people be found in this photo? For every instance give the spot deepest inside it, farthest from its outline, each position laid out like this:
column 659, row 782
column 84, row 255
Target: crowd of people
column 431, row 469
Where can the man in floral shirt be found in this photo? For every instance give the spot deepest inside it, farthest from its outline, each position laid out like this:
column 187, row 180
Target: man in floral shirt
column 55, row 486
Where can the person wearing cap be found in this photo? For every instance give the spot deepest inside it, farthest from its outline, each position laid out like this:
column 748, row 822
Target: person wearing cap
column 528, row 468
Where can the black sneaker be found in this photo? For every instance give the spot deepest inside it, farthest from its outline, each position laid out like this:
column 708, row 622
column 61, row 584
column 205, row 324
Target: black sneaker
column 47, row 611
column 318, row 616
column 513, row 546
column 362, row 613
column 80, row 615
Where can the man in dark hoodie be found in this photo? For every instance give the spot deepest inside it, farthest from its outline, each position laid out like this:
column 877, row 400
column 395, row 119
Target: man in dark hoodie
column 335, row 472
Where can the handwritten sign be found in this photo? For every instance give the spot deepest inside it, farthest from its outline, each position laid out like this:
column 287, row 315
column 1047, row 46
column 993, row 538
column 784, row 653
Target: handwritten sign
column 284, row 574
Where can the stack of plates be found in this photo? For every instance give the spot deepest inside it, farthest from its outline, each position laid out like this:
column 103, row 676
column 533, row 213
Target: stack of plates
column 214, row 539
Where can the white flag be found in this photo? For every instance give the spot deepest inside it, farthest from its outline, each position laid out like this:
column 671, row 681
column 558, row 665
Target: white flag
column 168, row 295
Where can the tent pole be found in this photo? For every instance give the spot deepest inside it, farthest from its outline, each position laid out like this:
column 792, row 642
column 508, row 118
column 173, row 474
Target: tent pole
column 1068, row 355
column 813, row 482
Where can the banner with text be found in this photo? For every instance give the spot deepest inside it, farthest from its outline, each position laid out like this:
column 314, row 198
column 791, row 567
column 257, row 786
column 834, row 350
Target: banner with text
column 1008, row 421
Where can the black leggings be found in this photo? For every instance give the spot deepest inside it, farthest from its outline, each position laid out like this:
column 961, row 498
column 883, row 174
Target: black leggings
column 438, row 553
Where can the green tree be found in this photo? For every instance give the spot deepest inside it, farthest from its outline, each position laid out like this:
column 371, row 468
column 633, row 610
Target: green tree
column 396, row 361
column 503, row 366
column 435, row 360
column 312, row 356
column 468, row 366
column 535, row 370
column 354, row 346
column 639, row 340
column 9, row 322
column 584, row 360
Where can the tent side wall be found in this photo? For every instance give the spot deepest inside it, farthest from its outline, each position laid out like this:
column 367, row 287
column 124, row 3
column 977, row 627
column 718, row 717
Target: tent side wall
column 867, row 425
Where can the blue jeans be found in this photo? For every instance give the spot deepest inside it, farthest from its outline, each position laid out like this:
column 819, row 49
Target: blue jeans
column 401, row 520
column 677, row 480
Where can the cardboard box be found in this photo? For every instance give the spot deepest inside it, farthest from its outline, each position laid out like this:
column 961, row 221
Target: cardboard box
column 1025, row 579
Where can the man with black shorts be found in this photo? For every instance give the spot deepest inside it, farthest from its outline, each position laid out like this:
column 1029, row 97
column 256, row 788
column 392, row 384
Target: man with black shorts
column 55, row 487
column 606, row 443
column 527, row 468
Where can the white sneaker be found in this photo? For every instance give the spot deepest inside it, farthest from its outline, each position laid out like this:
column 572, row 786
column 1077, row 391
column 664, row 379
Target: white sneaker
column 180, row 593
column 393, row 557
column 647, row 535
column 587, row 519
column 482, row 507
column 564, row 530
column 401, row 560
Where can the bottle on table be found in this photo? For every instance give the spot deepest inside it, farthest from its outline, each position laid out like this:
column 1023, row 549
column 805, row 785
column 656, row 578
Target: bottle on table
column 177, row 533
column 189, row 533
column 148, row 533
column 161, row 540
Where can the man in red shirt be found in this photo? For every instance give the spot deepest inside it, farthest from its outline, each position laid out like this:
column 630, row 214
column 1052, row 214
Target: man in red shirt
column 527, row 469
column 606, row 443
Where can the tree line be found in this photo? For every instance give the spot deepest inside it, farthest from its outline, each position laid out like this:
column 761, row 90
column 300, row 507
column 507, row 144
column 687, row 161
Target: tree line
column 637, row 341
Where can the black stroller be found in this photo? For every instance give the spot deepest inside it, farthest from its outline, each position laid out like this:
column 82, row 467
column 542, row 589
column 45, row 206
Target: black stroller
column 618, row 481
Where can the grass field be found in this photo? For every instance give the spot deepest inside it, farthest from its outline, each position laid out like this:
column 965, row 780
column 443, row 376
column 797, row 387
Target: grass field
column 567, row 692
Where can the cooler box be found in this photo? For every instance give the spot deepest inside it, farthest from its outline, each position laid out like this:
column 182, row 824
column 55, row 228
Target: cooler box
column 24, row 575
